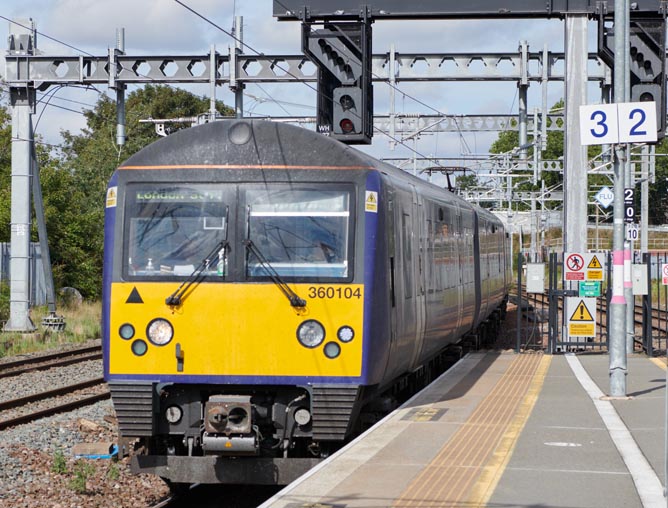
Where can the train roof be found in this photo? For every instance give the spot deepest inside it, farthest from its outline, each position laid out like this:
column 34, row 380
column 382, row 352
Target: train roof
column 246, row 142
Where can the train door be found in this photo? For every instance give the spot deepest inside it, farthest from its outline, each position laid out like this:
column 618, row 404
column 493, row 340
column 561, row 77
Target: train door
column 402, row 263
column 419, row 268
column 480, row 260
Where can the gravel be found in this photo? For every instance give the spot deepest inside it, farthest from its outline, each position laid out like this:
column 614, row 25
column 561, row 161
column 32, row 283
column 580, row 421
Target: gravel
column 37, row 465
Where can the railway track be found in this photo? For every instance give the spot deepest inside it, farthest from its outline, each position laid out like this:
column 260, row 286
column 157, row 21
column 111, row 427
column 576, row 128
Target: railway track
column 60, row 359
column 66, row 398
column 51, row 401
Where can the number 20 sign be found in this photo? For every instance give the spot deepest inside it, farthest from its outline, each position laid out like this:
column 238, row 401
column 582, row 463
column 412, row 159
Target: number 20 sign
column 625, row 122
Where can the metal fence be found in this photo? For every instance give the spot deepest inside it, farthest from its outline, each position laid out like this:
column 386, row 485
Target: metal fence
column 655, row 304
column 37, row 280
column 542, row 322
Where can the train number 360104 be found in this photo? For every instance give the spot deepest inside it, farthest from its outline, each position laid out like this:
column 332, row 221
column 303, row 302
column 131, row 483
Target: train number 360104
column 330, row 292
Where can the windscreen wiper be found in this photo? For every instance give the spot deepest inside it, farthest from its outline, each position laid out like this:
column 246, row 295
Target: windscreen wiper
column 218, row 252
column 294, row 299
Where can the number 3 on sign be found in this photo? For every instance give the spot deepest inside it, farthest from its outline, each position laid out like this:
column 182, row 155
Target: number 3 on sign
column 598, row 124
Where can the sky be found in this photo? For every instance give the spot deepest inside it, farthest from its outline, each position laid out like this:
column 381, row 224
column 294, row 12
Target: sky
column 163, row 27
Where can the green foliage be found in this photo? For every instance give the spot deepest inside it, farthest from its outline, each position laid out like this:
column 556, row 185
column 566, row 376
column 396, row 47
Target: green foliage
column 113, row 471
column 59, row 464
column 465, row 182
column 82, row 472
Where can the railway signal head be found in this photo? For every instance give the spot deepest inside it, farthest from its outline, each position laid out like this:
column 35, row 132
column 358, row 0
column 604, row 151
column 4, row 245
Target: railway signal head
column 348, row 114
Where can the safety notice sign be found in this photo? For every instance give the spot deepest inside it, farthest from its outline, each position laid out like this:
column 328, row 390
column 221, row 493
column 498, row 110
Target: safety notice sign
column 584, row 266
column 664, row 274
column 574, row 265
column 594, row 267
column 581, row 314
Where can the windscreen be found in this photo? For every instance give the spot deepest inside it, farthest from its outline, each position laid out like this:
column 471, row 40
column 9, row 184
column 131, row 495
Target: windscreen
column 171, row 229
column 301, row 233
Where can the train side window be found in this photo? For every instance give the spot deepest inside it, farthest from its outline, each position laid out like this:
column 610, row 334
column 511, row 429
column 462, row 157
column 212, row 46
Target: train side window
column 430, row 257
column 408, row 259
column 392, row 295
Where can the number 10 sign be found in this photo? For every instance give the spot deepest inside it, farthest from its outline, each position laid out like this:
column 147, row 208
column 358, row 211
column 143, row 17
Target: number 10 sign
column 624, row 122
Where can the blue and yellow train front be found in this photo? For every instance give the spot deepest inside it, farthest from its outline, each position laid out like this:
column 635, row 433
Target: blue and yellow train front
column 235, row 315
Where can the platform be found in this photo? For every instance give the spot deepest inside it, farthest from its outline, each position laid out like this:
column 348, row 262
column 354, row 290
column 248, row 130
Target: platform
column 506, row 430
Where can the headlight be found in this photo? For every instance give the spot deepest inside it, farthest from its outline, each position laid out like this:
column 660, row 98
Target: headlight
column 345, row 334
column 159, row 332
column 310, row 333
column 126, row 331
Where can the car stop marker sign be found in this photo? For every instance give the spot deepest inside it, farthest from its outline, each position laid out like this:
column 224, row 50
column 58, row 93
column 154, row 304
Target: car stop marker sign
column 581, row 312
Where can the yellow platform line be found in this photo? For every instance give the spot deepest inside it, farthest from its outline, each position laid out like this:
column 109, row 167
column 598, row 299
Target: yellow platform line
column 491, row 474
column 451, row 478
column 660, row 362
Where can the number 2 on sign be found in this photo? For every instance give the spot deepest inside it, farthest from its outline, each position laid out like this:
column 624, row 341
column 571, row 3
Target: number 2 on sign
column 643, row 117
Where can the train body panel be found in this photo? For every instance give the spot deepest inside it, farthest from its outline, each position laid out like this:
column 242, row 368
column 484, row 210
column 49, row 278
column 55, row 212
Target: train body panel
column 258, row 314
column 264, row 284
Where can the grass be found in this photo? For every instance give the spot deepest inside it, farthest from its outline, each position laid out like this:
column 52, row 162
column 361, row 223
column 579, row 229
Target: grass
column 59, row 464
column 82, row 324
column 83, row 471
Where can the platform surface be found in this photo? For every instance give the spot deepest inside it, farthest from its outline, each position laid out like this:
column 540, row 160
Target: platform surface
column 506, row 430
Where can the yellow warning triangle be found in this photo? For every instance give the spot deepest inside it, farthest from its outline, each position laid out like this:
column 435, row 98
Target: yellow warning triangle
column 370, row 198
column 594, row 263
column 581, row 313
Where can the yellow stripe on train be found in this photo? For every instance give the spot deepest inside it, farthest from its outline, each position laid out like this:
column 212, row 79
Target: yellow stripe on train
column 236, row 330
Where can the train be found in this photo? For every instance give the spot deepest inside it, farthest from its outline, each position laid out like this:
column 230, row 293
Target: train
column 267, row 290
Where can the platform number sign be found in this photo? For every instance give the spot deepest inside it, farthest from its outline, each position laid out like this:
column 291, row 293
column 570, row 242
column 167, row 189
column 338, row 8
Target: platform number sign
column 629, row 208
column 625, row 122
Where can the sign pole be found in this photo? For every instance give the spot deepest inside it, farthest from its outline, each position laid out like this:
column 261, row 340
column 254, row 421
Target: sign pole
column 617, row 330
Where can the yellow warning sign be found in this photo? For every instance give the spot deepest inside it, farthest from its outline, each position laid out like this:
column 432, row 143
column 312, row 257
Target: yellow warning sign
column 594, row 263
column 582, row 330
column 581, row 322
column 111, row 197
column 594, row 274
column 371, row 202
column 581, row 313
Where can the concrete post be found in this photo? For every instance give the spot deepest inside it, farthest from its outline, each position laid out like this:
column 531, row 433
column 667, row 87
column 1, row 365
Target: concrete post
column 575, row 156
column 22, row 102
